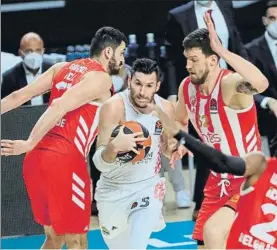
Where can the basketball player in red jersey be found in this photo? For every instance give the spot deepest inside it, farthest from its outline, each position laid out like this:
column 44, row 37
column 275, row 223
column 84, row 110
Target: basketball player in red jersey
column 220, row 105
column 55, row 169
column 255, row 224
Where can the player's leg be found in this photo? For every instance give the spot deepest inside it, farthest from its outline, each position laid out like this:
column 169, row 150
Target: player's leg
column 217, row 228
column 69, row 199
column 34, row 182
column 216, row 232
column 142, row 222
column 121, row 241
column 52, row 240
column 209, row 206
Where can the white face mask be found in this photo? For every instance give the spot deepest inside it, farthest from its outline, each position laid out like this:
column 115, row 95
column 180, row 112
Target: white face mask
column 203, row 2
column 272, row 29
column 33, row 60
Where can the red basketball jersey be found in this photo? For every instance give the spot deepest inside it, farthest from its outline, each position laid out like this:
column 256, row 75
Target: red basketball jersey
column 234, row 132
column 255, row 225
column 77, row 130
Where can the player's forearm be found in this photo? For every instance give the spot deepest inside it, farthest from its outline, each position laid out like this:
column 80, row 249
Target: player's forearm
column 46, row 122
column 11, row 102
column 104, row 158
column 246, row 69
column 109, row 153
column 214, row 159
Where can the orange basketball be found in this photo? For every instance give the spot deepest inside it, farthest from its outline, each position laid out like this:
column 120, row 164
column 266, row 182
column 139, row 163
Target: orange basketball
column 143, row 147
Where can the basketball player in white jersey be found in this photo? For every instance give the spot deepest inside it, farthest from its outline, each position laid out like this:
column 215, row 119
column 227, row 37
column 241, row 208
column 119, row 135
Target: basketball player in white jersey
column 129, row 196
column 220, row 105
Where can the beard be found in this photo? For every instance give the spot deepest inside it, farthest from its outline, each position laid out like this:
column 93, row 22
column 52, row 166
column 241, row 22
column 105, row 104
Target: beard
column 113, row 67
column 200, row 80
column 135, row 99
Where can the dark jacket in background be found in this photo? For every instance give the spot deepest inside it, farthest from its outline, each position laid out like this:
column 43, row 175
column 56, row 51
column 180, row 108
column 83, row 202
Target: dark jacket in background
column 182, row 21
column 260, row 55
column 15, row 79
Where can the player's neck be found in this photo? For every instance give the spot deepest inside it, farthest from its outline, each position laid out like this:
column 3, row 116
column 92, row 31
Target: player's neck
column 104, row 63
column 208, row 86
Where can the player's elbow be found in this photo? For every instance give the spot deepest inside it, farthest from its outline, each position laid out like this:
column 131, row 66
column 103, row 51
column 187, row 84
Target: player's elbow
column 58, row 107
column 262, row 84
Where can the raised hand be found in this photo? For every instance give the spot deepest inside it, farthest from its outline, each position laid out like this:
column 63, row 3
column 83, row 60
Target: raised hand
column 215, row 43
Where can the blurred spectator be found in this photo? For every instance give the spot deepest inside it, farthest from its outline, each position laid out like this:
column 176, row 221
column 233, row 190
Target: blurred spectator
column 177, row 179
column 182, row 21
column 263, row 53
column 31, row 50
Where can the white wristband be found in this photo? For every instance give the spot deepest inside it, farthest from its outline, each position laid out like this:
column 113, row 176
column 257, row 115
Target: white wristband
column 99, row 163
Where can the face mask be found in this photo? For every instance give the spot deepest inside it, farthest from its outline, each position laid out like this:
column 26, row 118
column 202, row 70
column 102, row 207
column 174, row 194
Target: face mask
column 203, row 2
column 33, row 60
column 272, row 29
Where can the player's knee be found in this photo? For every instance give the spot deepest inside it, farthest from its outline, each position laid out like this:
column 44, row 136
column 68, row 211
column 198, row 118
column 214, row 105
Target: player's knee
column 211, row 230
column 52, row 239
column 84, row 241
column 73, row 241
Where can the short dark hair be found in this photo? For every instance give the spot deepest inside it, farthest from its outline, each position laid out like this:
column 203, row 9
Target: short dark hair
column 146, row 66
column 269, row 4
column 106, row 37
column 199, row 39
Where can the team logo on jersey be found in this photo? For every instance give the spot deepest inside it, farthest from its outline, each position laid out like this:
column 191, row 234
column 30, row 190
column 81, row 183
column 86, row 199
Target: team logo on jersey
column 213, row 106
column 134, row 205
column 192, row 101
column 158, row 128
column 63, row 86
column 203, row 121
column 235, row 198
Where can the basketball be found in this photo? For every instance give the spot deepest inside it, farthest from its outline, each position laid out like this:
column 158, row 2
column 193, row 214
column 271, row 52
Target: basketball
column 143, row 147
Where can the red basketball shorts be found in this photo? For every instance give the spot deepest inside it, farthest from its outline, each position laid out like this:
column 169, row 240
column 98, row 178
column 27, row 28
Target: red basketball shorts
column 213, row 200
column 59, row 190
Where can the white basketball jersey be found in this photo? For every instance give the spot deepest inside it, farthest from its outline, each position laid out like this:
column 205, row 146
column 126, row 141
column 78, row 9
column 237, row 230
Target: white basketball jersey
column 148, row 167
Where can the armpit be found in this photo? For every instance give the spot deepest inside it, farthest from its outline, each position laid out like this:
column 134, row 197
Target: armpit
column 246, row 88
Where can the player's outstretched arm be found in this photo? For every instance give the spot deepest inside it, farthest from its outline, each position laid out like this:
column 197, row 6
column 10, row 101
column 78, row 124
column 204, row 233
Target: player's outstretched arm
column 40, row 86
column 90, row 88
column 214, row 159
column 248, row 80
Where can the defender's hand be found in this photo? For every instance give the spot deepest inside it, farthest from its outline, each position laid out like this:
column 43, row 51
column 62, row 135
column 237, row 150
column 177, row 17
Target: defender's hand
column 15, row 147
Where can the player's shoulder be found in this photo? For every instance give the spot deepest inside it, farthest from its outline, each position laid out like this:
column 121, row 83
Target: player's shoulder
column 228, row 76
column 98, row 74
column 186, row 80
column 167, row 105
column 112, row 104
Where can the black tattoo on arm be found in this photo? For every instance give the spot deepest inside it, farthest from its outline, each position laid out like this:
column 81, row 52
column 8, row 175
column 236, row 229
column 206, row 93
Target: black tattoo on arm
column 246, row 88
